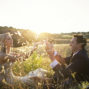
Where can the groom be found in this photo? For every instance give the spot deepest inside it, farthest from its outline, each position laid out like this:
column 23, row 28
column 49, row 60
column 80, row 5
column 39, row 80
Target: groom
column 77, row 63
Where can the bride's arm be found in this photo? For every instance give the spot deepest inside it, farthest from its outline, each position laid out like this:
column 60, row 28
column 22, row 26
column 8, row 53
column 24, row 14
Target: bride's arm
column 25, row 55
column 6, row 58
column 12, row 58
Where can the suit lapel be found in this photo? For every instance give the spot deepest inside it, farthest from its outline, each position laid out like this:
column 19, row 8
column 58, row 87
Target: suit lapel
column 74, row 57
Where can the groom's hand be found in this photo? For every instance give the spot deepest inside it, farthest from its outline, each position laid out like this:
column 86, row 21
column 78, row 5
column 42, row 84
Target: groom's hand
column 59, row 58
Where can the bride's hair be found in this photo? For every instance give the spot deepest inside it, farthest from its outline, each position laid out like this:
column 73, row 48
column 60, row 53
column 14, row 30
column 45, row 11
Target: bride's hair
column 3, row 37
column 3, row 49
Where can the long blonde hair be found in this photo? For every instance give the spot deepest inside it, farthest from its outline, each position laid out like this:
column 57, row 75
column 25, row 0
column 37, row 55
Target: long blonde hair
column 3, row 37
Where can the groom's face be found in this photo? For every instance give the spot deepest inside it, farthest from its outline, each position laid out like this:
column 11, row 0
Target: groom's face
column 74, row 44
column 9, row 41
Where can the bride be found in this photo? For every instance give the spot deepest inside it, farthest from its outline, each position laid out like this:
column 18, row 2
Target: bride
column 6, row 61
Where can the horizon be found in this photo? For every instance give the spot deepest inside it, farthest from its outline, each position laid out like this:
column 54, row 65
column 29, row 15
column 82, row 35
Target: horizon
column 44, row 32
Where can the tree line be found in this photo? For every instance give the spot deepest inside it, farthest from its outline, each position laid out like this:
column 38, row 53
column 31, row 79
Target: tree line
column 23, row 37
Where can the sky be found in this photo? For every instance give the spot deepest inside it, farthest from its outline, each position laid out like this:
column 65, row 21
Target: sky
column 54, row 16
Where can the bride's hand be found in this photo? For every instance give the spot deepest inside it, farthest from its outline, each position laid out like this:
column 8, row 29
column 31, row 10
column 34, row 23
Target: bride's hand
column 35, row 46
column 50, row 50
column 49, row 47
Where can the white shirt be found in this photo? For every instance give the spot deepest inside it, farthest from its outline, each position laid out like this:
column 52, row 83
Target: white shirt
column 75, row 53
column 55, row 62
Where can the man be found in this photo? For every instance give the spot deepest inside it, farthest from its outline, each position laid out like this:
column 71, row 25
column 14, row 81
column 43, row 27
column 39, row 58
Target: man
column 77, row 63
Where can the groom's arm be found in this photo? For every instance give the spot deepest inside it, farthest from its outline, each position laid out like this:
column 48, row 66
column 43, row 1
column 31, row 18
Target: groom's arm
column 58, row 61
column 55, row 65
column 60, row 68
column 62, row 60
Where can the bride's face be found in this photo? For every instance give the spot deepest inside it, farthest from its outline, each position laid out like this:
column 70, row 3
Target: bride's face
column 8, row 41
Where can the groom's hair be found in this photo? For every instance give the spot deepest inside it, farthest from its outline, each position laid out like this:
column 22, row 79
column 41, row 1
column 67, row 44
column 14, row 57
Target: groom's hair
column 81, row 39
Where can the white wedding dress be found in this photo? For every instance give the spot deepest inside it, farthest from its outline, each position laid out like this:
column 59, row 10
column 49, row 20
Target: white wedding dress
column 6, row 74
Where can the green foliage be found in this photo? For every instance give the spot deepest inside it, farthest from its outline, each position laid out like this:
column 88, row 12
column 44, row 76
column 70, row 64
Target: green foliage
column 30, row 64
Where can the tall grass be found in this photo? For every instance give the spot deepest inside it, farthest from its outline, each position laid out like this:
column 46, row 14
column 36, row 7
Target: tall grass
column 40, row 59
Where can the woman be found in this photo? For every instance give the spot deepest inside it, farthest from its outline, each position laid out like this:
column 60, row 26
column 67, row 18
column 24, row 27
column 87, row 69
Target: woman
column 6, row 62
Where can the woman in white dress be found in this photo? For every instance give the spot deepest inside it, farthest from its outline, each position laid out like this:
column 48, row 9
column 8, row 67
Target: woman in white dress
column 7, row 60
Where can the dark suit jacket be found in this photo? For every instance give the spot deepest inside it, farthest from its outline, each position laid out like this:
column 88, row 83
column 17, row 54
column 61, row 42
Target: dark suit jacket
column 79, row 64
